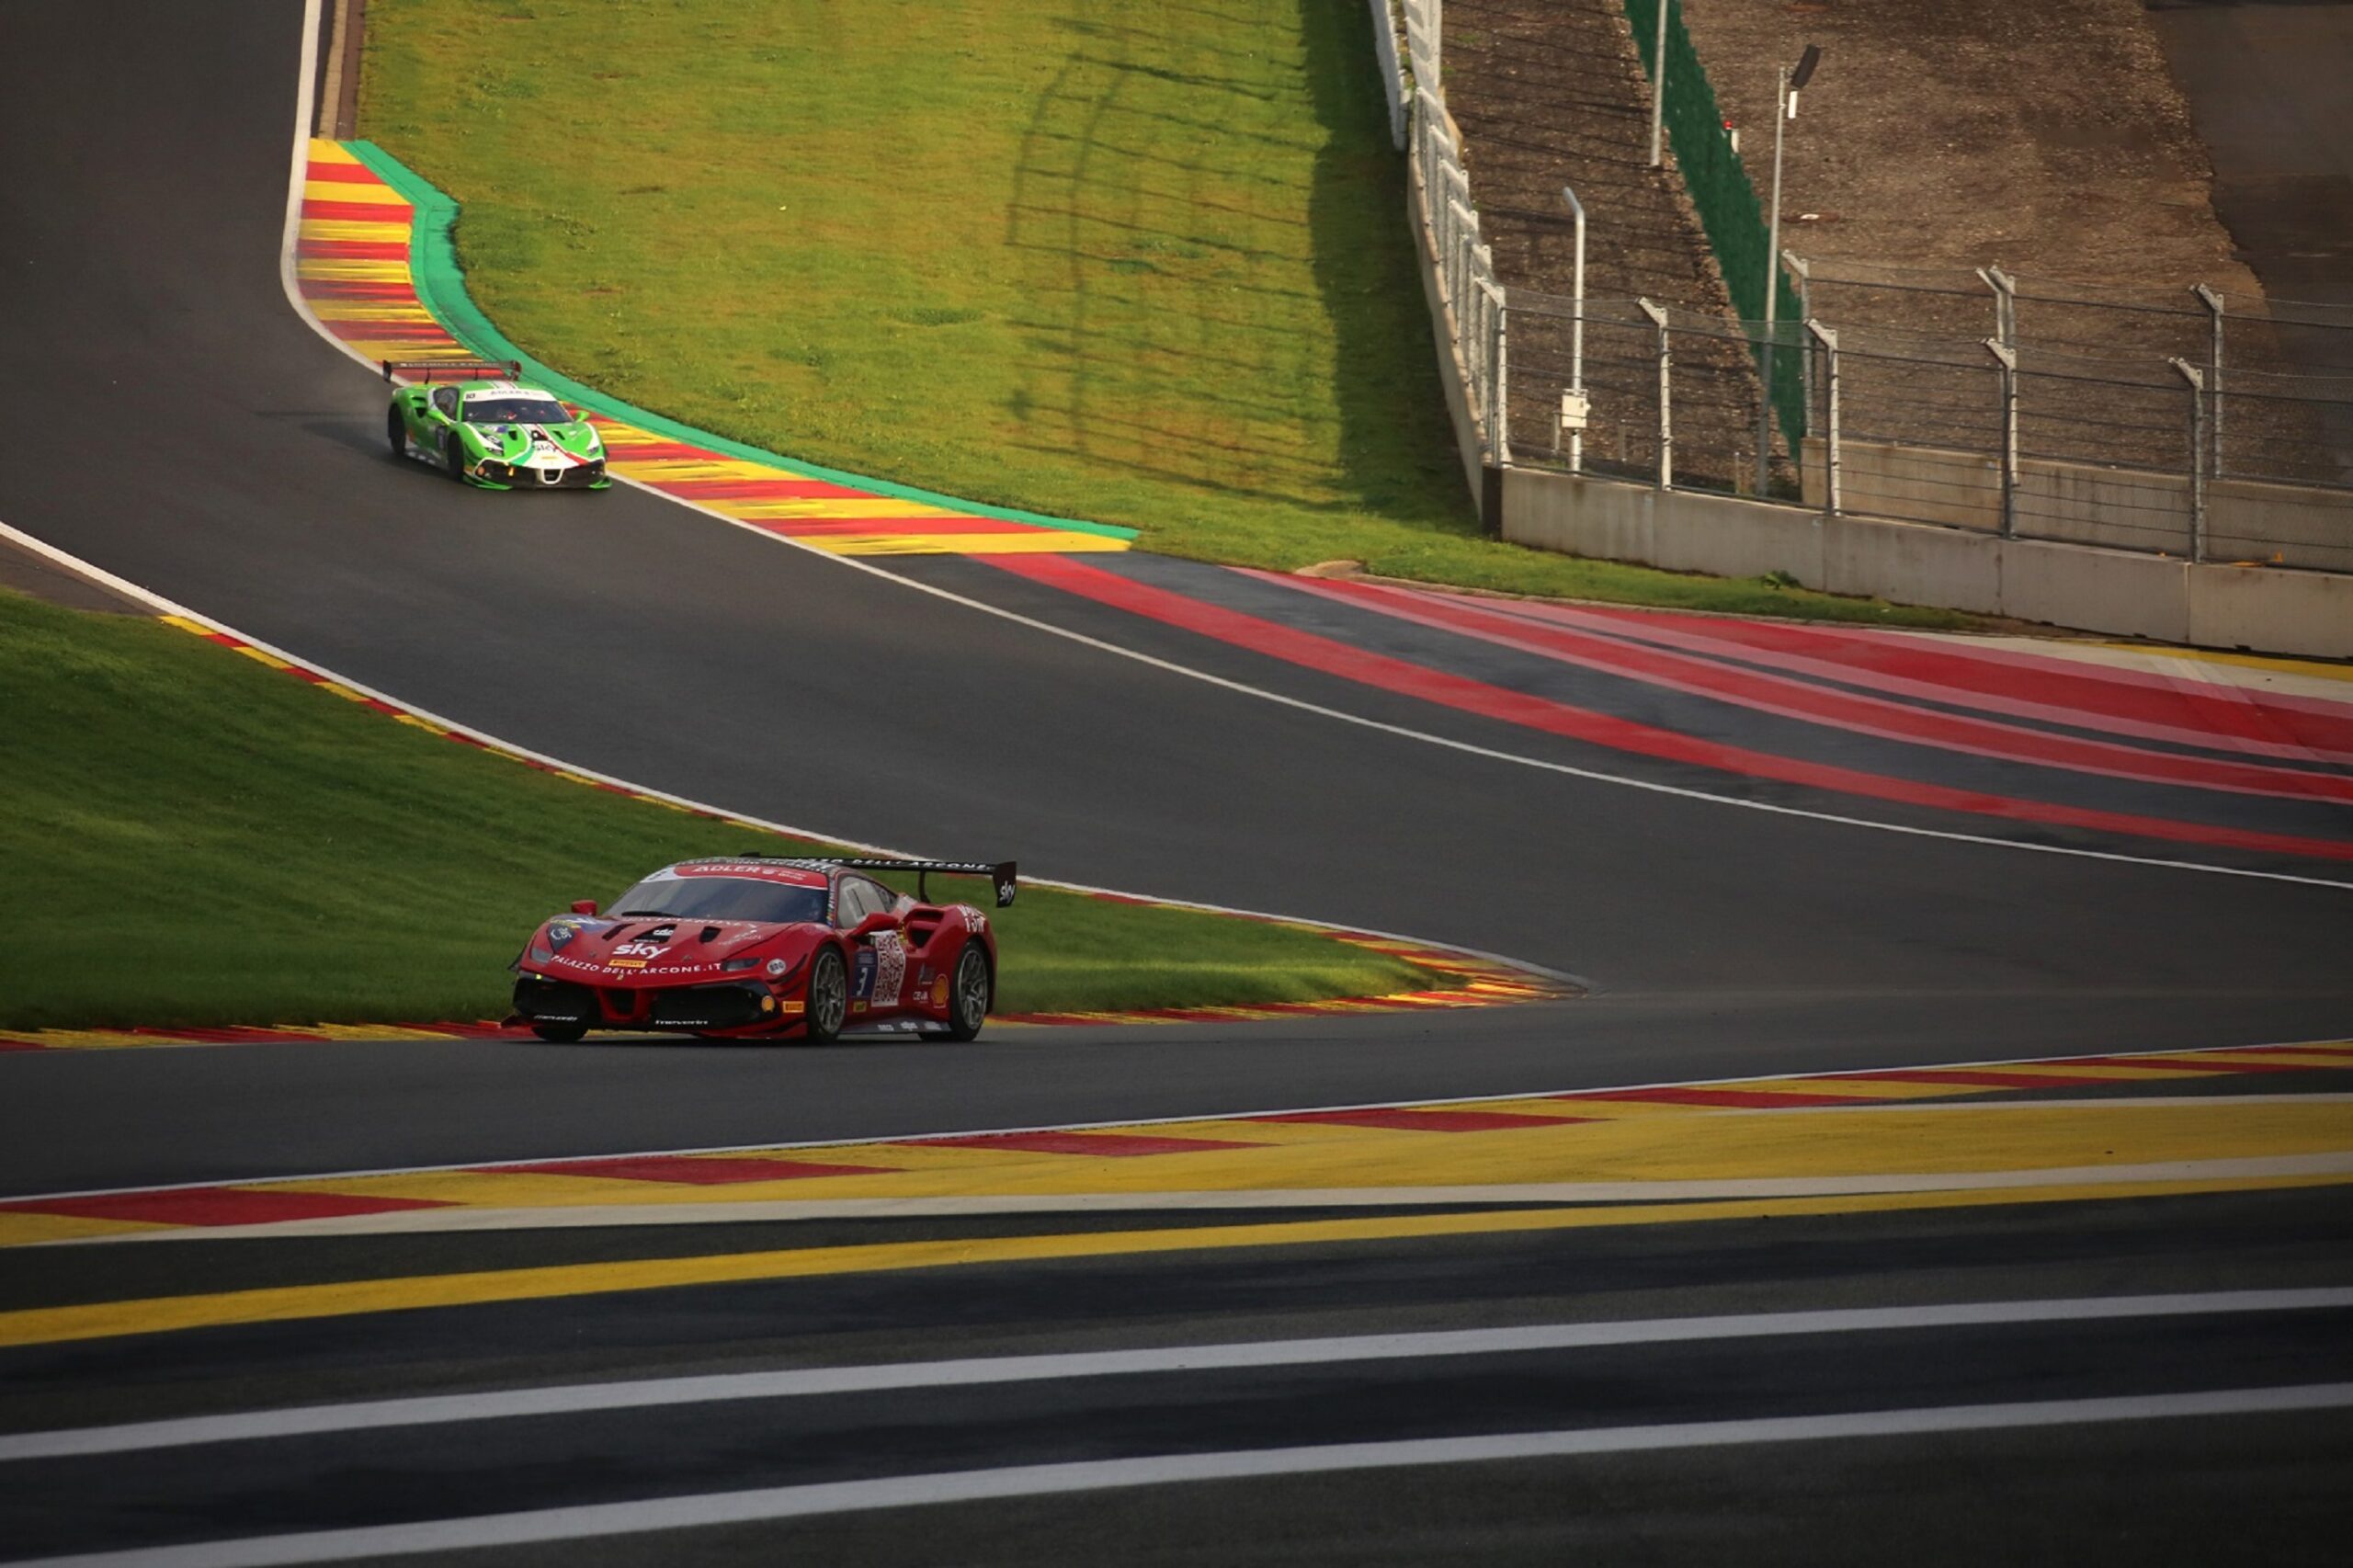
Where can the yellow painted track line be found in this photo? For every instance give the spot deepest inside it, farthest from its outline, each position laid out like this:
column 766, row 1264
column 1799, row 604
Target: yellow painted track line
column 52, row 1325
column 2308, row 668
column 1655, row 1151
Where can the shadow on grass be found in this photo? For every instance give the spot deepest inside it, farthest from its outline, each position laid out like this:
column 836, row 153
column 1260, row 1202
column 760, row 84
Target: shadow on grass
column 1132, row 363
column 1392, row 409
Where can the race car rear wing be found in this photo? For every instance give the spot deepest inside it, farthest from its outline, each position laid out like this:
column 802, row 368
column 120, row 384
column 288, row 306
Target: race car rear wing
column 1001, row 873
column 460, row 370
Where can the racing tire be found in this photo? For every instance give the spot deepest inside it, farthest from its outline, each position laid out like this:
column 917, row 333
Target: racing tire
column 396, row 432
column 970, row 993
column 829, row 997
column 559, row 1034
column 453, row 456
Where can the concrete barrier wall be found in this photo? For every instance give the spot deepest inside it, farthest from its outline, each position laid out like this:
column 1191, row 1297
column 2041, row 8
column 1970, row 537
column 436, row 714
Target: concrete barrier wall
column 2268, row 610
column 2121, row 508
column 1923, row 483
column 2246, row 520
column 2092, row 589
column 2285, row 524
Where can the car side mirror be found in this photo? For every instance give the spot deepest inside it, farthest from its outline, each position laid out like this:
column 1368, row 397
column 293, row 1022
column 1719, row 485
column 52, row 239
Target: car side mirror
column 584, row 906
column 880, row 920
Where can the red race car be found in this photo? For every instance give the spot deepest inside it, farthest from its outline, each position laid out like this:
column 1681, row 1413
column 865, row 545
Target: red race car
column 759, row 944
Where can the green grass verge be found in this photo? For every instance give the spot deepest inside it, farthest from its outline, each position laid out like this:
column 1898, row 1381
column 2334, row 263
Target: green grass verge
column 1126, row 260
column 190, row 838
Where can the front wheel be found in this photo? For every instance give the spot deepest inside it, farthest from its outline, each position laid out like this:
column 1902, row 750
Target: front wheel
column 396, row 431
column 968, row 995
column 828, row 996
column 453, row 455
column 559, row 1034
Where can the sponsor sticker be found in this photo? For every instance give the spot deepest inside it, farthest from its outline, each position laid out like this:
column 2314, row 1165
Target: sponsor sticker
column 939, row 991
column 625, row 963
column 766, row 870
column 794, row 1005
column 890, row 967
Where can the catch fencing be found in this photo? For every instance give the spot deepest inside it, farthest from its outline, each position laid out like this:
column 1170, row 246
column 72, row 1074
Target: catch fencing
column 1718, row 183
column 1394, row 86
column 1472, row 298
column 2024, row 442
column 2277, row 375
column 2198, row 427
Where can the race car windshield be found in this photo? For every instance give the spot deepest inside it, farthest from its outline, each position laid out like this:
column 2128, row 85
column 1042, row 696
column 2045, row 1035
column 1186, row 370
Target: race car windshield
column 516, row 411
column 721, row 898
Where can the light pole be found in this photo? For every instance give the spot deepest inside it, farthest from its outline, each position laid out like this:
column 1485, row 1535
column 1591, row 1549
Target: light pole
column 1785, row 109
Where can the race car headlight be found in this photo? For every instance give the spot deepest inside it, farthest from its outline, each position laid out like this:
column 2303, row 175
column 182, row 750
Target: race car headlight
column 543, row 955
column 737, row 966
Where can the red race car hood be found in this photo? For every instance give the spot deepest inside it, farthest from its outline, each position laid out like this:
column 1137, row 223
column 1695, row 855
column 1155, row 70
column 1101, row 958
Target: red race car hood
column 669, row 950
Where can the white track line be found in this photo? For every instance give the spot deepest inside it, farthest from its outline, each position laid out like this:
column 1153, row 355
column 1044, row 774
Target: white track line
column 303, row 119
column 772, row 1146
column 1051, row 1480
column 644, row 1393
column 162, row 606
column 716, row 1210
column 293, row 221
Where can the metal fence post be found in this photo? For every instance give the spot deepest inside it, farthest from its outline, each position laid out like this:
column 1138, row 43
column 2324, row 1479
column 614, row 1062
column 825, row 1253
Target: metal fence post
column 1453, row 241
column 1576, row 330
column 2213, row 302
column 1829, row 341
column 2189, row 373
column 2005, row 304
column 1426, row 120
column 1665, row 378
column 1796, row 264
column 1498, row 387
column 1469, row 341
column 2007, row 358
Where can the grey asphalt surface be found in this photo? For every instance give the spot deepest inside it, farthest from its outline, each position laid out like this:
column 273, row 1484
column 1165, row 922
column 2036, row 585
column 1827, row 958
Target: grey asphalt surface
column 82, row 1120
column 195, row 435
column 2242, row 1489
column 630, row 635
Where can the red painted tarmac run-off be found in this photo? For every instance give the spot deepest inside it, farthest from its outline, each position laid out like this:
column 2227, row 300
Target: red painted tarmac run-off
column 1384, row 672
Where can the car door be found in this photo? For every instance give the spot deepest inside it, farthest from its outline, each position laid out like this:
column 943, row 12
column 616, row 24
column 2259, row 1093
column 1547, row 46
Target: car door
column 879, row 963
column 441, row 417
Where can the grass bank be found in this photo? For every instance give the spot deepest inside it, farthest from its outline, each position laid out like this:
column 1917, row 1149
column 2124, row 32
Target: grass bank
column 1125, row 260
column 190, row 838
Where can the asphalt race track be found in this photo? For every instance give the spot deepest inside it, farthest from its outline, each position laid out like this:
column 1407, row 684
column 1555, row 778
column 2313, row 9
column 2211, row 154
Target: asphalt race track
column 173, row 420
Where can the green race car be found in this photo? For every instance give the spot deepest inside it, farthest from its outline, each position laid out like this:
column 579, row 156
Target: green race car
column 497, row 433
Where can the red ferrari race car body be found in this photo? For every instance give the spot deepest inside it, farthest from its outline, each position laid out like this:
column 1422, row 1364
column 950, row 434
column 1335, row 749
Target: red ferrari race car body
column 762, row 945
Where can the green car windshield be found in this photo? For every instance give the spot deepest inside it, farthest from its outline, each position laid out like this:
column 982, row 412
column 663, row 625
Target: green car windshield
column 527, row 409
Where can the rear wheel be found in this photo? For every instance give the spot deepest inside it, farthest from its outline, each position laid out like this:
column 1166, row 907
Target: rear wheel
column 969, row 994
column 828, row 996
column 559, row 1034
column 396, row 431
